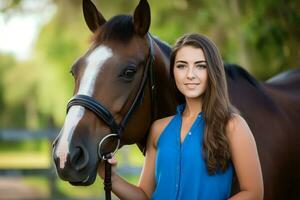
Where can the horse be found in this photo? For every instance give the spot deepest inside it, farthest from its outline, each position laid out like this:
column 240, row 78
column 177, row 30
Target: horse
column 113, row 72
column 122, row 86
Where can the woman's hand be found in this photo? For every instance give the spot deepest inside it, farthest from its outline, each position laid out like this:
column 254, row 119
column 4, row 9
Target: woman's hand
column 101, row 167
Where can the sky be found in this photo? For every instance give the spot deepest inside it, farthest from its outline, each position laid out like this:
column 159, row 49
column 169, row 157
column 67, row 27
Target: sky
column 19, row 29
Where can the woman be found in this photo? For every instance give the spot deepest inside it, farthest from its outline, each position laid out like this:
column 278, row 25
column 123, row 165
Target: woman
column 194, row 154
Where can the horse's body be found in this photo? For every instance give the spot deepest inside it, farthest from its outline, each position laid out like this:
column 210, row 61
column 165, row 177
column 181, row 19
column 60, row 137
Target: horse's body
column 271, row 109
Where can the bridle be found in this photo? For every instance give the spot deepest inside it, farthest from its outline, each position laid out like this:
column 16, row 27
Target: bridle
column 100, row 111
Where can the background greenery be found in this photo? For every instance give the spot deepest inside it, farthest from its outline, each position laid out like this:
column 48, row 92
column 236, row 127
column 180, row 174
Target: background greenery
column 260, row 35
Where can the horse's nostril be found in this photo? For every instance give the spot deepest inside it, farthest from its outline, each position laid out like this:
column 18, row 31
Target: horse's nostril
column 79, row 158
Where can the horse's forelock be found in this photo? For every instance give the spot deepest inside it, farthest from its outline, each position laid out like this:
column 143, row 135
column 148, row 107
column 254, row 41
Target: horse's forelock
column 118, row 28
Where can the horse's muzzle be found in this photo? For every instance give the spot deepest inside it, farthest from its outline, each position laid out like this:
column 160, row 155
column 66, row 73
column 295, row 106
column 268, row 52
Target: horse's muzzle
column 76, row 167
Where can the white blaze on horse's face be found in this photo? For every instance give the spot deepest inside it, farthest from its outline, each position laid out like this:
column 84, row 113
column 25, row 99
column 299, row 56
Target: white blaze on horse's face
column 94, row 62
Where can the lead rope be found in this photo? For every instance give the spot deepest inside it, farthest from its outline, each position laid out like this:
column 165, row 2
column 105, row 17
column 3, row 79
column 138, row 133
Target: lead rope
column 107, row 178
column 107, row 168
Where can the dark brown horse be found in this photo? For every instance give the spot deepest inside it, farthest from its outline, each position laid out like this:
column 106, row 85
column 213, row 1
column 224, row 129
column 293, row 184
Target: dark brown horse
column 272, row 110
column 121, row 85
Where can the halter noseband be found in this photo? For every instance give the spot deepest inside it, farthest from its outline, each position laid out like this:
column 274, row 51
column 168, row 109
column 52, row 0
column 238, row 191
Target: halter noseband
column 97, row 108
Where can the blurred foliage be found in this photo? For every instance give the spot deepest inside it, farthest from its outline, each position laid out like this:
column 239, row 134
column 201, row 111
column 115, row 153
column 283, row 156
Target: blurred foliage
column 8, row 5
column 261, row 36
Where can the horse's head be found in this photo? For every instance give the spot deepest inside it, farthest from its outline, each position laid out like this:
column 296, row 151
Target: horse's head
column 110, row 80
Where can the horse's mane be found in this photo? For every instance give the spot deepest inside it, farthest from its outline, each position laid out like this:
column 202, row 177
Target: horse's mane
column 235, row 72
column 165, row 47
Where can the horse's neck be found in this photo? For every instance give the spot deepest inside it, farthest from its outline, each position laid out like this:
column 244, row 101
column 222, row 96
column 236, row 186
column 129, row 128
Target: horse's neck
column 243, row 88
column 165, row 98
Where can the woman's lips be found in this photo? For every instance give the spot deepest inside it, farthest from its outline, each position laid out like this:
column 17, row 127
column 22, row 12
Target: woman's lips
column 191, row 85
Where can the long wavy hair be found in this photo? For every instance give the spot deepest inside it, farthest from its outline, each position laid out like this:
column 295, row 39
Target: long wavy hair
column 217, row 109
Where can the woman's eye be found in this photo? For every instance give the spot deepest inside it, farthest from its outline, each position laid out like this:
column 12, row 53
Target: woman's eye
column 180, row 66
column 202, row 66
column 128, row 73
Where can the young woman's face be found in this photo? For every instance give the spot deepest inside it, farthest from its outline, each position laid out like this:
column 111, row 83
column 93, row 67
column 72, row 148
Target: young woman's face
column 190, row 71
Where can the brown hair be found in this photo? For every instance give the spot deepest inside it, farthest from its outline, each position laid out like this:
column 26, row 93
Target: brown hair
column 217, row 109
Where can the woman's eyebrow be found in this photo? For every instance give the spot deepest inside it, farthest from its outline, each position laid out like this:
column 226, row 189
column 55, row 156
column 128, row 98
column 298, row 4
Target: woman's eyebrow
column 197, row 62
column 181, row 61
column 200, row 61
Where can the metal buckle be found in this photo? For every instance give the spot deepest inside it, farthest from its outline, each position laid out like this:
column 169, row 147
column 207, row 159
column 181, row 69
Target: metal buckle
column 109, row 155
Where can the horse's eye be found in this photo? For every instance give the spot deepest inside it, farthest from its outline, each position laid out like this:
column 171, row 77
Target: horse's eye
column 128, row 73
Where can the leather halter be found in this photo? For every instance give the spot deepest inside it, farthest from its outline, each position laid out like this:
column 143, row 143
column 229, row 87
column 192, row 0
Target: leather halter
column 97, row 108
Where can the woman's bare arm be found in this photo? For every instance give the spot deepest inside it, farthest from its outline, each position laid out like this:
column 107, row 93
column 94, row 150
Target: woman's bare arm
column 245, row 160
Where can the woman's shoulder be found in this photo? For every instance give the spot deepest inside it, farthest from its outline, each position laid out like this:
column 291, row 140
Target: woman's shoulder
column 235, row 120
column 161, row 123
column 158, row 126
column 237, row 126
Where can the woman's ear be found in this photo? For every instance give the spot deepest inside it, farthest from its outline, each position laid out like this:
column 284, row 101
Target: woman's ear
column 92, row 16
column 142, row 18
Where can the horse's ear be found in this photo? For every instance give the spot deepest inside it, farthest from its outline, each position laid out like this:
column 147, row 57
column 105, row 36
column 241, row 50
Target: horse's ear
column 92, row 16
column 142, row 18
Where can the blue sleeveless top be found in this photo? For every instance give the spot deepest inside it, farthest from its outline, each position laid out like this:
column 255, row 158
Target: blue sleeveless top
column 181, row 172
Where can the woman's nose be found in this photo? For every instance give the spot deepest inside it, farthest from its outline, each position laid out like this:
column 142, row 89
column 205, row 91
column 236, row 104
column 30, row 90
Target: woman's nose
column 190, row 74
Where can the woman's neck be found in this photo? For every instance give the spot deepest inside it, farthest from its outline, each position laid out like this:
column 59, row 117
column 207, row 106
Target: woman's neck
column 193, row 107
